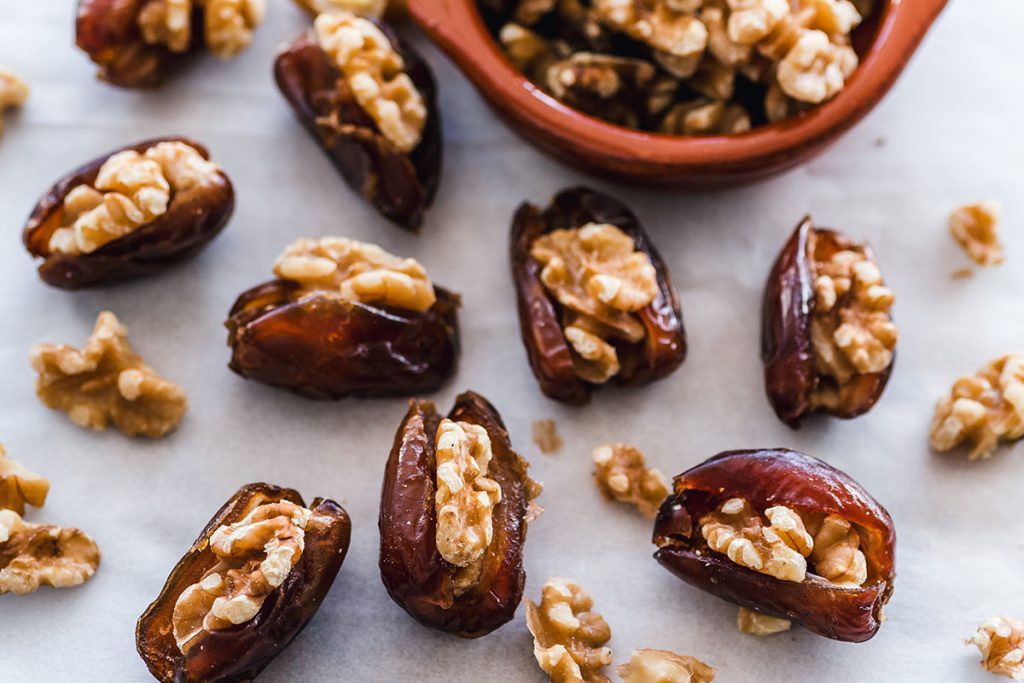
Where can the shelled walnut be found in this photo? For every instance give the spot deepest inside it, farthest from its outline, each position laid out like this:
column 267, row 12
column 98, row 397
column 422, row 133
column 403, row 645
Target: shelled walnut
column 107, row 382
column 20, row 486
column 975, row 227
column 35, row 555
column 568, row 638
column 757, row 624
column 621, row 474
column 663, row 666
column 1000, row 640
column 13, row 93
column 982, row 410
column 546, row 437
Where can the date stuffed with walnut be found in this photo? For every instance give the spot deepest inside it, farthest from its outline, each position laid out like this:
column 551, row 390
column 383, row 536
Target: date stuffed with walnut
column 453, row 515
column 252, row 580
column 596, row 303
column 785, row 534
column 343, row 318
column 828, row 339
column 129, row 213
column 368, row 99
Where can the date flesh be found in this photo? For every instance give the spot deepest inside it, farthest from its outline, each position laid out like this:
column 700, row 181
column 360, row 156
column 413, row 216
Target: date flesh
column 663, row 348
column 239, row 653
column 323, row 347
column 411, row 567
column 779, row 477
column 400, row 185
column 790, row 373
column 193, row 218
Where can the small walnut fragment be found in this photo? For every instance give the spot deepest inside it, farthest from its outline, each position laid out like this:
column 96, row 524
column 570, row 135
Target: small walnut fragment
column 975, row 227
column 20, row 486
column 1000, row 640
column 622, row 475
column 545, row 435
column 13, row 93
column 705, row 117
column 757, row 624
column 663, row 666
column 372, row 8
column 568, row 638
column 35, row 555
column 107, row 382
column 982, row 409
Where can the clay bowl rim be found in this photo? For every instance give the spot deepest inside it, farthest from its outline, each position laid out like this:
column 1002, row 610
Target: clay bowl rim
column 458, row 28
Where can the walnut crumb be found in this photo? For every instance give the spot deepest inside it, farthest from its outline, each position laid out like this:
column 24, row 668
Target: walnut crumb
column 568, row 639
column 962, row 273
column 545, row 435
column 663, row 666
column 20, row 486
column 35, row 555
column 975, row 227
column 757, row 624
column 621, row 474
column 1000, row 640
column 13, row 93
column 107, row 382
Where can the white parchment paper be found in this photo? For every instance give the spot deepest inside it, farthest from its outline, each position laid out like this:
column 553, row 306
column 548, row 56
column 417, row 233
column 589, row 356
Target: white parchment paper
column 949, row 132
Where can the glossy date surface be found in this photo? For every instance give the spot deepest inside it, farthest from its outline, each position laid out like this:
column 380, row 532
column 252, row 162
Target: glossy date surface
column 412, row 569
column 661, row 351
column 798, row 481
column 239, row 653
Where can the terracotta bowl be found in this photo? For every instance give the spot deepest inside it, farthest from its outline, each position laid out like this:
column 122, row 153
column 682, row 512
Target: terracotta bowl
column 885, row 44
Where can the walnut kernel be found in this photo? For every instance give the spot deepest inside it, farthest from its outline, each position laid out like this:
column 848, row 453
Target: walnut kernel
column 19, row 485
column 545, row 435
column 622, row 475
column 227, row 30
column 751, row 21
column 34, row 555
column 1000, row 640
column 665, row 28
column 816, row 69
column 663, row 666
column 167, row 23
column 568, row 639
column 372, row 8
column 107, row 382
column 975, row 227
column 13, row 93
column 705, row 117
column 757, row 624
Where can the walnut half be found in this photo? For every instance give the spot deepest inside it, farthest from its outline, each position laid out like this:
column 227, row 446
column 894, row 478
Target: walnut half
column 1001, row 643
column 663, row 666
column 568, row 639
column 19, row 485
column 13, row 93
column 975, row 227
column 107, row 382
column 621, row 474
column 34, row 555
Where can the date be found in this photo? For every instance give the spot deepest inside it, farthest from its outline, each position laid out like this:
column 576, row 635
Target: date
column 481, row 593
column 88, row 235
column 222, row 615
column 785, row 534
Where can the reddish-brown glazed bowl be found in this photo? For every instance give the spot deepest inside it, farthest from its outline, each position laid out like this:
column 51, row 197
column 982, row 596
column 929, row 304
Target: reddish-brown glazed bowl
column 885, row 43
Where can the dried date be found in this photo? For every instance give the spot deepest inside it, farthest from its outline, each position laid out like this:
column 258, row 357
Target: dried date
column 807, row 487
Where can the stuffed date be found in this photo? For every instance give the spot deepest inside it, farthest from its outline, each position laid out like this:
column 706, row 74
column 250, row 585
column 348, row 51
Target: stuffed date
column 785, row 534
column 252, row 580
column 453, row 515
column 596, row 303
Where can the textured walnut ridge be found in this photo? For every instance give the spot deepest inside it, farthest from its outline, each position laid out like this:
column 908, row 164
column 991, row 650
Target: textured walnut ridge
column 107, row 382
column 568, row 639
column 130, row 190
column 35, row 555
column 20, row 486
column 374, row 72
column 757, row 624
column 1000, row 640
column 13, row 93
column 790, row 546
column 601, row 280
column 975, row 227
column 356, row 271
column 983, row 409
column 227, row 29
column 255, row 555
column 663, row 666
column 621, row 473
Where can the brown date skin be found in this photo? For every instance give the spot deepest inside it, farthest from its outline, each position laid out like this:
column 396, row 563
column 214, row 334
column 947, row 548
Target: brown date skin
column 411, row 567
column 108, row 31
column 239, row 653
column 322, row 347
column 400, row 185
column 659, row 354
column 779, row 477
column 193, row 218
column 786, row 349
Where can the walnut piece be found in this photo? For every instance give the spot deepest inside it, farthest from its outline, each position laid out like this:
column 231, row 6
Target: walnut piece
column 13, row 93
column 668, row 27
column 34, row 555
column 705, row 117
column 852, row 331
column 975, row 227
column 136, row 189
column 601, row 280
column 790, row 546
column 545, row 435
column 106, row 382
column 19, row 485
column 373, row 70
column 1000, row 640
column 982, row 409
column 622, row 475
column 816, row 69
column 568, row 639
column 751, row 21
column 372, row 8
column 255, row 555
column 663, row 666
column 757, row 624
column 356, row 271
column 465, row 498
column 228, row 25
